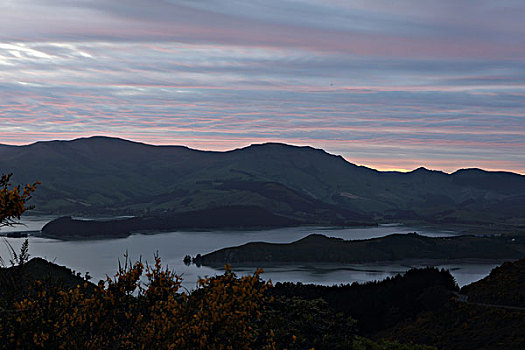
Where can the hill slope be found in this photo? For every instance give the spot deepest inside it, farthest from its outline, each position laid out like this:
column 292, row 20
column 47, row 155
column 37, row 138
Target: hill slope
column 505, row 285
column 321, row 249
column 485, row 321
column 102, row 175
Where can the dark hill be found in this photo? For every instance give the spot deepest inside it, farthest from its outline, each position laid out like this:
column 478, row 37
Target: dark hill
column 493, row 316
column 101, row 175
column 321, row 249
column 381, row 304
column 16, row 280
column 505, row 285
column 234, row 217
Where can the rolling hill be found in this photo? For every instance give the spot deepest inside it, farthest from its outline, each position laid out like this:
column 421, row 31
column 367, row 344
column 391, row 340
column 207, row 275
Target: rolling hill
column 317, row 248
column 110, row 176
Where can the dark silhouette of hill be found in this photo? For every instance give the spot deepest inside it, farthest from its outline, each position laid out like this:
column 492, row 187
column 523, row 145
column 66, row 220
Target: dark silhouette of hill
column 214, row 218
column 16, row 280
column 505, row 285
column 382, row 304
column 420, row 307
column 101, row 175
column 322, row 249
column 483, row 321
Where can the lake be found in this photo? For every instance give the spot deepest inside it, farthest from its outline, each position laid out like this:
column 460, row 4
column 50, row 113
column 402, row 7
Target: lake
column 100, row 257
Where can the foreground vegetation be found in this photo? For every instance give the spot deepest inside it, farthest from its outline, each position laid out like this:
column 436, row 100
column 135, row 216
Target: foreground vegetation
column 425, row 306
column 143, row 307
column 13, row 200
column 47, row 306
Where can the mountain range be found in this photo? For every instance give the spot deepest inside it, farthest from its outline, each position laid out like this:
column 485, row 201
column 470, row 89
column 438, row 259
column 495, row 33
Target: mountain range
column 111, row 176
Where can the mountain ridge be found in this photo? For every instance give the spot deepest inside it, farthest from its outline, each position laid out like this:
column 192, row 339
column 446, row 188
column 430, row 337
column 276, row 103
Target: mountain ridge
column 112, row 176
column 251, row 146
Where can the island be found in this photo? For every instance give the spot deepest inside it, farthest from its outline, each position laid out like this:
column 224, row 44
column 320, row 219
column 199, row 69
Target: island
column 234, row 217
column 317, row 248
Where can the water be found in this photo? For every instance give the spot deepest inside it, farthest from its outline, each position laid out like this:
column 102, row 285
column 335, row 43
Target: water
column 28, row 223
column 100, row 257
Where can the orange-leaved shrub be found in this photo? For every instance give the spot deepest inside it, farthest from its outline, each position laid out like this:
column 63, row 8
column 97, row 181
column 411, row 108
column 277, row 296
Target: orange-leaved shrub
column 13, row 200
column 142, row 307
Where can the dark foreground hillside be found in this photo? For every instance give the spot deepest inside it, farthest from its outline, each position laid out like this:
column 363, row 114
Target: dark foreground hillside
column 226, row 311
column 504, row 286
column 380, row 305
column 422, row 306
column 487, row 318
column 425, row 306
column 15, row 281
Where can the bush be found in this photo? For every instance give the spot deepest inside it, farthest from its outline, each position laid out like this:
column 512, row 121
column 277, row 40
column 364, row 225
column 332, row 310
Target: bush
column 124, row 313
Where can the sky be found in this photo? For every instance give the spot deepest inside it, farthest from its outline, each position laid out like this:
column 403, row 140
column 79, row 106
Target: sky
column 392, row 85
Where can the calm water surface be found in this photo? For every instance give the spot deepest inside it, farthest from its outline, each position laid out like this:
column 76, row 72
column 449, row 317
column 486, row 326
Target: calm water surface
column 100, row 257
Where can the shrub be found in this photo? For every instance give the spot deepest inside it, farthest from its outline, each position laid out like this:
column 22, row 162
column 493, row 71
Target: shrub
column 125, row 313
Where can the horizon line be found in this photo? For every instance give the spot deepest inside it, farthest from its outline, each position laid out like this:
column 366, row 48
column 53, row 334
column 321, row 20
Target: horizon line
column 385, row 169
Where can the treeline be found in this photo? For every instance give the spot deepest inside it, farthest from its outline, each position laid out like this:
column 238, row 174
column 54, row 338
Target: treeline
column 380, row 305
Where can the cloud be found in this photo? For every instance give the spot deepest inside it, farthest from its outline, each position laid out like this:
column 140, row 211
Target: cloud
column 440, row 83
column 405, row 29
